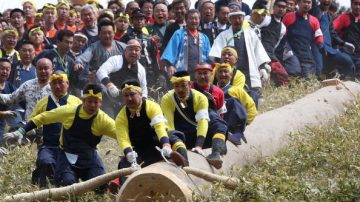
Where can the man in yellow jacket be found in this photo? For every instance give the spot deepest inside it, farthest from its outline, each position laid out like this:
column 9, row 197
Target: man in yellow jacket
column 83, row 127
column 187, row 111
column 241, row 108
column 141, row 126
column 48, row 151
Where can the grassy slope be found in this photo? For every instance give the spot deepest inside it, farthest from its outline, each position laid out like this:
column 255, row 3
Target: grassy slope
column 318, row 166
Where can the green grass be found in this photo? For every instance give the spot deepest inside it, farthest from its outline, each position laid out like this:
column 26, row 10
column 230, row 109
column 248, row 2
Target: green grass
column 321, row 164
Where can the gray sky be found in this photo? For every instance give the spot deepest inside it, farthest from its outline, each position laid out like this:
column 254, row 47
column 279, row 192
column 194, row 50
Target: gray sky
column 4, row 4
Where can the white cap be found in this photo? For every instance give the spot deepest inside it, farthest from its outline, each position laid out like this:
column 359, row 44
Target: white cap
column 82, row 35
column 237, row 13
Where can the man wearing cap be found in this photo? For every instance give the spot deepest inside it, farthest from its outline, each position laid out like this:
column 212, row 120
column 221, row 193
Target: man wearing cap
column 334, row 57
column 202, row 83
column 303, row 30
column 149, row 51
column 80, row 40
column 242, row 6
column 252, row 56
column 50, row 16
column 117, row 69
column 241, row 109
column 29, row 8
column 63, row 12
column 9, row 40
column 348, row 26
column 141, row 126
column 187, row 110
column 82, row 129
column 32, row 90
column 187, row 47
column 98, row 52
column 48, row 151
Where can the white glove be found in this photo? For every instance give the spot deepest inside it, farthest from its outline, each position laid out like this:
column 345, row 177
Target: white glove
column 198, row 150
column 264, row 75
column 8, row 113
column 16, row 135
column 166, row 150
column 3, row 151
column 131, row 156
column 349, row 48
column 113, row 90
column 267, row 67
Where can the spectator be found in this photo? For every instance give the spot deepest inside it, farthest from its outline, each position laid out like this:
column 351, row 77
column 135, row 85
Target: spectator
column 32, row 90
column 29, row 8
column 187, row 47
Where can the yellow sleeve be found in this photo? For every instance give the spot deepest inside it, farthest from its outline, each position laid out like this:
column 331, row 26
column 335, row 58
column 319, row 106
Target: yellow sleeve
column 158, row 121
column 168, row 108
column 73, row 100
column 246, row 101
column 63, row 114
column 104, row 125
column 201, row 106
column 40, row 107
column 122, row 130
column 239, row 79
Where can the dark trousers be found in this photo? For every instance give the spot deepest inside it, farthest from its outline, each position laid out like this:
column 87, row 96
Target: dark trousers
column 292, row 66
column 45, row 166
column 67, row 174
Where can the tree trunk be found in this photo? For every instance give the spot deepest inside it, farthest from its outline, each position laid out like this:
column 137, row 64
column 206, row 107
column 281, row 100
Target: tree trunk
column 64, row 193
column 266, row 135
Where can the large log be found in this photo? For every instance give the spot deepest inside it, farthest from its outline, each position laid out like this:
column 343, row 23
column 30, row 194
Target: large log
column 266, row 135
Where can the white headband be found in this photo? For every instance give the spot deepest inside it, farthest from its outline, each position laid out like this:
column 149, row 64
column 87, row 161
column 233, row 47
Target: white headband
column 237, row 13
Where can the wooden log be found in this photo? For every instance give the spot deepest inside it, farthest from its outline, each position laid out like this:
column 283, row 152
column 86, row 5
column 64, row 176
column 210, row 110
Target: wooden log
column 64, row 193
column 266, row 135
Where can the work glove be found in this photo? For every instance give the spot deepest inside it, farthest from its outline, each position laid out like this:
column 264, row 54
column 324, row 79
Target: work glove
column 8, row 113
column 264, row 75
column 131, row 157
column 198, row 150
column 349, row 48
column 113, row 90
column 15, row 135
column 166, row 150
column 3, row 151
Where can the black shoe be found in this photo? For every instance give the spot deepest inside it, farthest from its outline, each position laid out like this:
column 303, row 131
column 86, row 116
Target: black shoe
column 215, row 160
column 178, row 159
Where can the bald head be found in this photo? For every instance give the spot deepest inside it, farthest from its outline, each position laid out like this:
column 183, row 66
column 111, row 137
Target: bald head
column 44, row 69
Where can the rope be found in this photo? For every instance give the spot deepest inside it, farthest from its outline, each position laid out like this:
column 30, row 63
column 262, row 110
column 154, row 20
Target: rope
column 178, row 167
